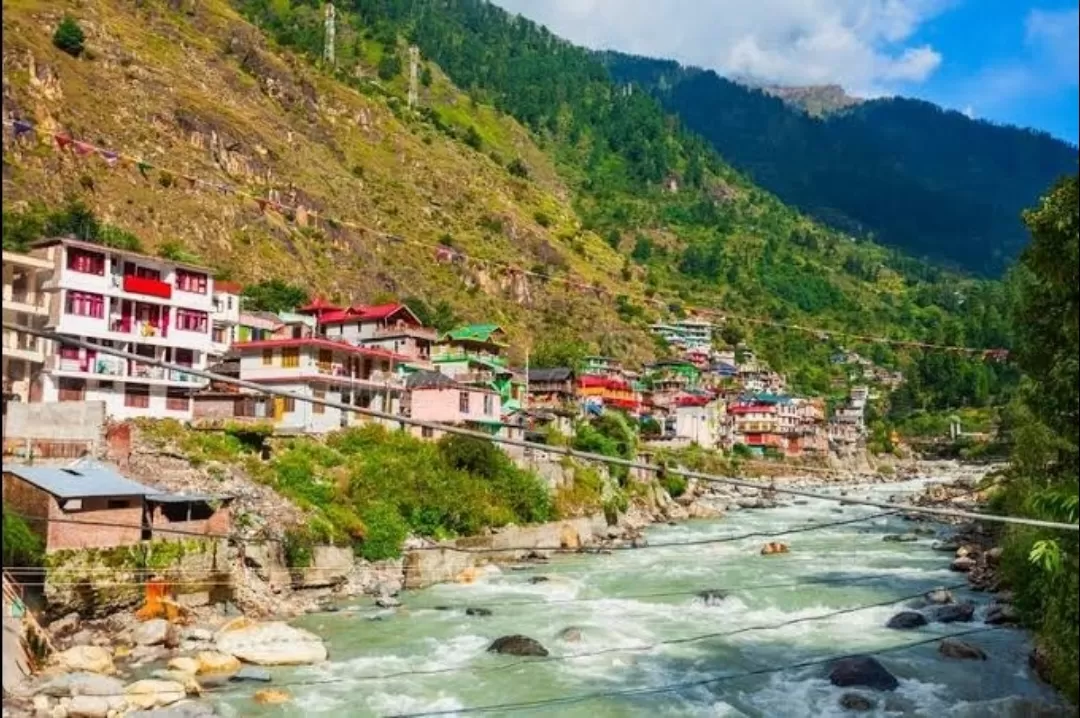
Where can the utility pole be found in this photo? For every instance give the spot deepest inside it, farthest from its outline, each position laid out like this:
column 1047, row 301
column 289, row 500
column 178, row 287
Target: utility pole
column 328, row 40
column 414, row 63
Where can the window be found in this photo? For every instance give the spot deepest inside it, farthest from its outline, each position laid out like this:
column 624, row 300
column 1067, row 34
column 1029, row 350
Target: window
column 71, row 389
column 463, row 402
column 69, row 352
column 268, row 357
column 191, row 281
column 144, row 272
column 184, row 357
column 217, row 335
column 177, row 400
column 86, row 262
column 290, row 357
column 489, row 405
column 137, row 396
column 427, row 432
column 318, row 392
column 228, row 303
column 326, row 359
column 84, row 304
column 288, row 404
column 191, row 321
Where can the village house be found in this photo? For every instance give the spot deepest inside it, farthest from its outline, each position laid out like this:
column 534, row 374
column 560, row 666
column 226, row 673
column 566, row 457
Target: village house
column 758, row 422
column 552, row 389
column 25, row 303
column 89, row 505
column 156, row 308
column 699, row 419
column 600, row 366
column 390, row 327
column 322, row 369
column 224, row 318
column 257, row 326
column 473, row 354
column 608, row 392
column 222, row 402
column 437, row 398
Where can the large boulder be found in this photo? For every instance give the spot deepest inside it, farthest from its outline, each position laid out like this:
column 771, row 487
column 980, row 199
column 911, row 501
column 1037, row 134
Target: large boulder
column 81, row 684
column 906, row 620
column 92, row 659
column 962, row 564
column 517, row 646
column 65, row 626
column 186, row 664
column 94, row 706
column 155, row 632
column 1002, row 613
column 152, row 693
column 571, row 634
column 862, row 671
column 187, row 709
column 954, row 613
column 214, row 662
column 271, row 644
column 939, row 596
column 955, row 648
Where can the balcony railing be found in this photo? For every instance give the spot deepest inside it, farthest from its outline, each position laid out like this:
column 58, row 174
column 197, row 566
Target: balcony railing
column 21, row 342
column 145, row 285
column 407, row 331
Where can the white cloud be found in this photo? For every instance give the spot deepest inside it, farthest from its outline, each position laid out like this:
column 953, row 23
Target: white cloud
column 864, row 45
column 1054, row 38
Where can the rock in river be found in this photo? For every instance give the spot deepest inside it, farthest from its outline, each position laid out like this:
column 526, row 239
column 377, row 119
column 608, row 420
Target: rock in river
column 475, row 611
column 963, row 564
column 862, row 671
column 92, row 659
column 900, row 538
column 570, row 635
column 517, row 646
column 954, row 613
column 156, row 631
column 856, row 702
column 271, row 644
column 712, row 596
column 954, row 648
column 906, row 619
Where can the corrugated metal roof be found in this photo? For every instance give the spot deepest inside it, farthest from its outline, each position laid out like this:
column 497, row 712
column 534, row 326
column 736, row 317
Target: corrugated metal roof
column 83, row 479
column 186, row 498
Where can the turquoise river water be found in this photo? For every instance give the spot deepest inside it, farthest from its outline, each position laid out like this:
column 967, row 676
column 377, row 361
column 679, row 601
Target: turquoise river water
column 633, row 641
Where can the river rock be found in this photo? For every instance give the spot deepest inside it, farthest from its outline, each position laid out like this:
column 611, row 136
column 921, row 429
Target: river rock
column 81, row 684
column 712, row 596
column 271, row 696
column 156, row 631
column 947, row 546
column 251, row 673
column 1002, row 613
column 215, row 662
column 479, row 612
column 65, row 626
column 856, row 702
column 900, row 538
column 538, row 579
column 197, row 635
column 955, row 648
column 571, row 634
column 954, row 613
column 152, row 693
column 92, row 659
column 94, row 706
column 387, row 602
column 271, row 644
column 962, row 564
column 517, row 645
column 185, row 664
column 994, row 555
column 939, row 596
column 862, row 671
column 186, row 709
column 906, row 620
column 755, row 503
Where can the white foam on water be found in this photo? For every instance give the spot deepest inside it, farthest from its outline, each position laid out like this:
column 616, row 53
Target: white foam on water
column 812, row 696
column 383, row 703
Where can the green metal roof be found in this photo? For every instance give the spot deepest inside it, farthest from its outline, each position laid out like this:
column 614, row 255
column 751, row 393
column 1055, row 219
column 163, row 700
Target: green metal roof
column 475, row 333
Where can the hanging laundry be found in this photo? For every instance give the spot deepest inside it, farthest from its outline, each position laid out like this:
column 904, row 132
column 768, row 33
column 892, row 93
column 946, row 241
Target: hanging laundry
column 109, row 157
column 62, row 141
column 83, row 149
column 21, row 127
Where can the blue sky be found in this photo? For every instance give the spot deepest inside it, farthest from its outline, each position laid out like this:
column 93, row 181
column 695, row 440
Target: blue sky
column 1009, row 61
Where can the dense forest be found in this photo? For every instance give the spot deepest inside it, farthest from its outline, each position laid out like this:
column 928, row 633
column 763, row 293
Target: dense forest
column 907, row 173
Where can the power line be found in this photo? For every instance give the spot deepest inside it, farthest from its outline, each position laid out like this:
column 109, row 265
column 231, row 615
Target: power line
column 567, row 451
column 676, row 687
column 447, row 254
column 625, row 649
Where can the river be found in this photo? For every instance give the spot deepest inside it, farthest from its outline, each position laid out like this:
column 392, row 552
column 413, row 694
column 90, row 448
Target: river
column 612, row 600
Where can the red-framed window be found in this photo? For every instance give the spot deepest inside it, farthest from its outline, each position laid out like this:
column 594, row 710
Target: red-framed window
column 137, row 396
column 71, row 389
column 85, row 261
column 177, row 400
column 189, row 320
column 194, row 282
column 85, row 304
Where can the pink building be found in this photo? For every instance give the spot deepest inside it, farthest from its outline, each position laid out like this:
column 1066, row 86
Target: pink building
column 437, row 398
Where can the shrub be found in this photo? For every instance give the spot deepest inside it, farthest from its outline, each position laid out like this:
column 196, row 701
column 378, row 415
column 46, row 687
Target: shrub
column 473, row 139
column 22, row 547
column 69, row 37
column 385, row 532
column 517, row 168
column 675, row 485
column 542, row 219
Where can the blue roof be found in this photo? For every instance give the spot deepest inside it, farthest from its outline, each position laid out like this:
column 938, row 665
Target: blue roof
column 82, row 479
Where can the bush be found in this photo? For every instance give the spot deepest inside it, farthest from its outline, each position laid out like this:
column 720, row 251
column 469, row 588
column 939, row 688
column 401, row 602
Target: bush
column 69, row 37
column 389, row 66
column 517, row 168
column 386, row 531
column 473, row 139
column 542, row 219
column 674, row 484
column 22, row 546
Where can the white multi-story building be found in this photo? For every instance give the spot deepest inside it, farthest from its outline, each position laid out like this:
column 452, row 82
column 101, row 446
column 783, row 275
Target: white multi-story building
column 687, row 333
column 224, row 318
column 26, row 304
column 324, row 369
column 145, row 305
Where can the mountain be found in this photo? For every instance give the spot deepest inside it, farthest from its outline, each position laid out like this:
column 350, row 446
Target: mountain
column 520, row 153
column 931, row 182
column 816, row 100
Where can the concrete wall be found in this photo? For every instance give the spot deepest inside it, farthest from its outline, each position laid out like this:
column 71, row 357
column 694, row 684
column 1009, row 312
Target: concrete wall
column 443, row 405
column 69, row 421
column 112, row 396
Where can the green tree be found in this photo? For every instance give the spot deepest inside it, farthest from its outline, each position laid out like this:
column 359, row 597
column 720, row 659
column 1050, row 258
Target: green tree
column 389, row 65
column 69, row 37
column 22, row 546
column 558, row 352
column 273, row 295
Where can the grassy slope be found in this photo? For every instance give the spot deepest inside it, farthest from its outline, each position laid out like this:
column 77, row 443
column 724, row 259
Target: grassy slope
column 202, row 92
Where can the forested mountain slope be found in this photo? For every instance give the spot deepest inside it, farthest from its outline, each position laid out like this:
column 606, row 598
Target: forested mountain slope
column 538, row 162
column 930, row 182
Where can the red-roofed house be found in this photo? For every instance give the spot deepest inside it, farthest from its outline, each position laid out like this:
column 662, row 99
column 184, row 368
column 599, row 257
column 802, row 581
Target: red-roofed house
column 323, row 369
column 391, row 327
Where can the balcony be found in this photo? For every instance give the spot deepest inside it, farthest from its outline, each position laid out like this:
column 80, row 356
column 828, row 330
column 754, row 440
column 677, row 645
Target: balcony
column 102, row 366
column 145, row 285
column 24, row 346
column 26, row 301
column 407, row 331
